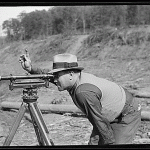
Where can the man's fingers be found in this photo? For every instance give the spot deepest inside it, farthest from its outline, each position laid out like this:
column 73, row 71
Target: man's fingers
column 20, row 60
column 23, row 57
column 27, row 54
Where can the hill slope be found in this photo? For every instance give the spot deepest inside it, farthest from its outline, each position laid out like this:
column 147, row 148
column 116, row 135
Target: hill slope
column 119, row 55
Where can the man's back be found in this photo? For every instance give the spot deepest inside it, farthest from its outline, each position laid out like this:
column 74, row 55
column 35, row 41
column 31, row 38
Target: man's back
column 113, row 96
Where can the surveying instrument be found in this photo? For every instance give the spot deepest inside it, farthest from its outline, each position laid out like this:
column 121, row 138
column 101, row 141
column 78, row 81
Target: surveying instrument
column 30, row 103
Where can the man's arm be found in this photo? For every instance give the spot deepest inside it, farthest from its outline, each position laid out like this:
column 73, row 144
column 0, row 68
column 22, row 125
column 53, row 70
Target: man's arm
column 26, row 65
column 36, row 70
column 88, row 97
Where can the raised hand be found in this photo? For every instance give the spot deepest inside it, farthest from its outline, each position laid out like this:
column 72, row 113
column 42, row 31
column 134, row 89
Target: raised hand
column 25, row 61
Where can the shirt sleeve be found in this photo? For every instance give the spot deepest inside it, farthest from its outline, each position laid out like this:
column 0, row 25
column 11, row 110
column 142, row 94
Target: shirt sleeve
column 36, row 70
column 88, row 97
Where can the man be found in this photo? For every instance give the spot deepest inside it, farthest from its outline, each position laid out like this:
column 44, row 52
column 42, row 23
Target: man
column 110, row 108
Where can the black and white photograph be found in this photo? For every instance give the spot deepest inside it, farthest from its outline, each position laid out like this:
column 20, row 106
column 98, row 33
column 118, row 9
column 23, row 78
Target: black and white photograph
column 75, row 75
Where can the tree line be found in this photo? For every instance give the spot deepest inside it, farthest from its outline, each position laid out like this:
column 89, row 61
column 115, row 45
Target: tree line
column 70, row 20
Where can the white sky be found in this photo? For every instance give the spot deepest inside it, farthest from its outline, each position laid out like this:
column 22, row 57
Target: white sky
column 12, row 12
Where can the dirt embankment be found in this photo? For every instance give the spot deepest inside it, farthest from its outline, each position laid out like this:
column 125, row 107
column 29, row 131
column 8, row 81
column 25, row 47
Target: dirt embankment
column 120, row 58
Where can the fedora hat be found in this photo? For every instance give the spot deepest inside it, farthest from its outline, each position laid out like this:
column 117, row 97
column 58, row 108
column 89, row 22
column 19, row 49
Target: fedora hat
column 65, row 62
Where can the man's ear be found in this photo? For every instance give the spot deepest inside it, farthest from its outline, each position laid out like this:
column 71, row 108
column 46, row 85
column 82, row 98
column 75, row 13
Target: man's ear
column 71, row 73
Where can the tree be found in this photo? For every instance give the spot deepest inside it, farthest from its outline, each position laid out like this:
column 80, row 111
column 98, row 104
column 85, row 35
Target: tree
column 12, row 27
column 131, row 14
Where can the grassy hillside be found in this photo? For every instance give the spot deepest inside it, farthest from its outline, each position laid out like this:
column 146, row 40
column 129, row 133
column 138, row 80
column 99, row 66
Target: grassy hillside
column 121, row 55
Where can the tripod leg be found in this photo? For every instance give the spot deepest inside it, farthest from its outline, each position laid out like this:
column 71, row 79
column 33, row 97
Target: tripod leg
column 15, row 125
column 39, row 137
column 40, row 116
column 39, row 123
column 42, row 121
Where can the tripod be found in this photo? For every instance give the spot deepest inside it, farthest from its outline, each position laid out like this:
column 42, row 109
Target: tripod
column 30, row 102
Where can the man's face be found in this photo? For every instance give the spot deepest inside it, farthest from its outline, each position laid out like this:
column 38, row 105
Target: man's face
column 61, row 79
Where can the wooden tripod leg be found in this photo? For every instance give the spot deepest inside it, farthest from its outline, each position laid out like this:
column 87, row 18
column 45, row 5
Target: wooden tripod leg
column 39, row 136
column 15, row 124
column 39, row 123
column 42, row 121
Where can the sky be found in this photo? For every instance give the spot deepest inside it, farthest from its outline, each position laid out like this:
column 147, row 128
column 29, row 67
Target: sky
column 12, row 12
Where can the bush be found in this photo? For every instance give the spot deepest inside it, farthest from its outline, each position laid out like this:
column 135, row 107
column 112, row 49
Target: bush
column 101, row 35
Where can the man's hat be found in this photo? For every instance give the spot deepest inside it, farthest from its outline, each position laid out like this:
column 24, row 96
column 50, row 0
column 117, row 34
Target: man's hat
column 65, row 62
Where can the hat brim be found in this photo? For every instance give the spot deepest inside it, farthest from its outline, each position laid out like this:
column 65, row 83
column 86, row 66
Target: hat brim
column 62, row 69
